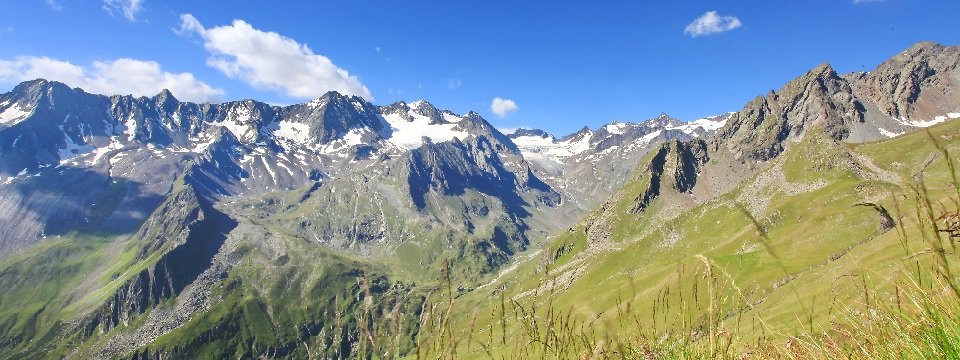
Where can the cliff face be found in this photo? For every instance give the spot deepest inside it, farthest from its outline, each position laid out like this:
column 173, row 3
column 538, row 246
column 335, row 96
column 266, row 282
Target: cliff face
column 673, row 167
column 818, row 99
column 910, row 91
column 183, row 235
column 919, row 83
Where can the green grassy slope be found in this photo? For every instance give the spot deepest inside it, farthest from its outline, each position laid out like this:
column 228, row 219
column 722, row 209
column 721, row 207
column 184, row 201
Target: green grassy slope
column 307, row 302
column 39, row 285
column 823, row 255
column 281, row 295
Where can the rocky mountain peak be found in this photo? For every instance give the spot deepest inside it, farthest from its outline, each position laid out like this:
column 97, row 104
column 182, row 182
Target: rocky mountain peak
column 818, row 99
column 922, row 48
column 661, row 121
column 334, row 95
column 399, row 107
column 333, row 115
column 529, row 132
column 40, row 89
column 917, row 84
column 580, row 134
column 473, row 123
column 408, row 112
column 823, row 70
column 427, row 109
column 166, row 101
column 164, row 95
column 30, row 86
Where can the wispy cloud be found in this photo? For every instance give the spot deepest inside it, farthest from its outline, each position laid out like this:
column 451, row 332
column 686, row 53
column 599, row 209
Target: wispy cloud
column 858, row 2
column 120, row 76
column 711, row 23
column 54, row 4
column 503, row 107
column 126, row 8
column 268, row 60
column 454, row 83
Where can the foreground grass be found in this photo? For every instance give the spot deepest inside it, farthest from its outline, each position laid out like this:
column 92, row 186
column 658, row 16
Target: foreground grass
column 893, row 295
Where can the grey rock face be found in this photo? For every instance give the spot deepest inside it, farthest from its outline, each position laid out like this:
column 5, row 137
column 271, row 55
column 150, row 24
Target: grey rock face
column 589, row 165
column 674, row 166
column 919, row 83
column 333, row 115
column 186, row 232
column 529, row 132
column 820, row 99
column 903, row 94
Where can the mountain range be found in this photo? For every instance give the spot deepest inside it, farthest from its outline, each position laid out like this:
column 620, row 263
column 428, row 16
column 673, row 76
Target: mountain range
column 152, row 228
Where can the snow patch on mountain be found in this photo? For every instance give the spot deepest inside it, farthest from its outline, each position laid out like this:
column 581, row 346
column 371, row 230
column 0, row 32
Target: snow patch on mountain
column 646, row 139
column 928, row 123
column 202, row 144
column 72, row 149
column 238, row 121
column 616, row 127
column 315, row 103
column 708, row 124
column 534, row 141
column 451, row 117
column 354, row 137
column 547, row 148
column 14, row 115
column 409, row 134
column 130, row 127
column 241, row 131
column 100, row 152
column 298, row 133
column 889, row 133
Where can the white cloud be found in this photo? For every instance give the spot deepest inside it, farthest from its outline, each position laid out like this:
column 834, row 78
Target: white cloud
column 453, row 84
column 120, row 76
column 503, row 107
column 55, row 5
column 711, row 23
column 268, row 60
column 126, row 8
column 857, row 2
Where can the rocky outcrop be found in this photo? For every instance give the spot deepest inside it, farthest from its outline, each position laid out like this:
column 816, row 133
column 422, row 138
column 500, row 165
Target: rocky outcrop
column 178, row 241
column 818, row 99
column 673, row 167
column 333, row 115
column 919, row 83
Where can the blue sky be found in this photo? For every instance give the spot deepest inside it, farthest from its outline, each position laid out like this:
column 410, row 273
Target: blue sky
column 562, row 65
